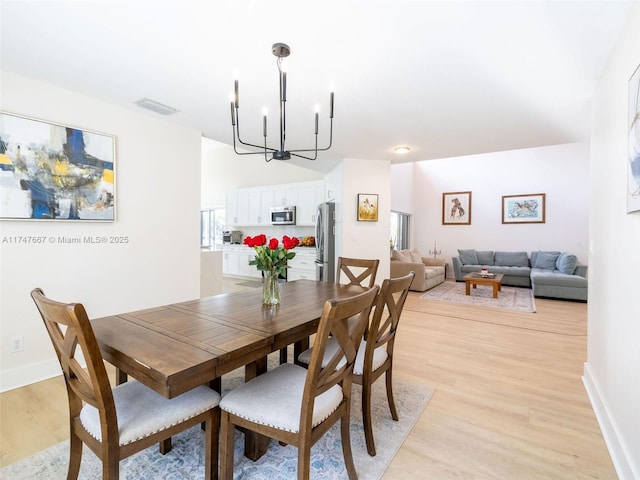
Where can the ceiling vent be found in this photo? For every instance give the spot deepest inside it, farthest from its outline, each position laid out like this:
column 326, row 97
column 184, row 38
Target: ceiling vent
column 155, row 106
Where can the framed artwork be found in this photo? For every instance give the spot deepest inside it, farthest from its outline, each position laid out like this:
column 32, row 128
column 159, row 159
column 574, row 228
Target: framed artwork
column 55, row 172
column 523, row 208
column 456, row 208
column 633, row 147
column 367, row 207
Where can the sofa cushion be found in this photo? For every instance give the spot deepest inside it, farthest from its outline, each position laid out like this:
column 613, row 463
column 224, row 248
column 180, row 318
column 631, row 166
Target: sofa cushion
column 400, row 257
column 511, row 259
column 433, row 272
column 545, row 277
column 468, row 257
column 485, row 257
column 413, row 254
column 545, row 260
column 567, row 263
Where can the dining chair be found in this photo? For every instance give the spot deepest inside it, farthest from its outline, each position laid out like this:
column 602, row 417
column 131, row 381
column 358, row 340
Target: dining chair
column 118, row 422
column 296, row 405
column 358, row 270
column 375, row 353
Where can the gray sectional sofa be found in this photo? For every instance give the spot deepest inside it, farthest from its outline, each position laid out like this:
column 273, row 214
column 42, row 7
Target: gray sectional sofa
column 549, row 274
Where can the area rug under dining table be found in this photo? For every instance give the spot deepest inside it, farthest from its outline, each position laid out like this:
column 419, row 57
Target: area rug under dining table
column 510, row 298
column 186, row 459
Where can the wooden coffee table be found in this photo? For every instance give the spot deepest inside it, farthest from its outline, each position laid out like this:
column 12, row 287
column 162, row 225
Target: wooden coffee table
column 475, row 279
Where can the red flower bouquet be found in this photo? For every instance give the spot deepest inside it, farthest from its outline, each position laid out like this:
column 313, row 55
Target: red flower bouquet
column 271, row 256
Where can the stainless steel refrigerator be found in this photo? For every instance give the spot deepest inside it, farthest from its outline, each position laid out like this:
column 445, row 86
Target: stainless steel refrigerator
column 326, row 242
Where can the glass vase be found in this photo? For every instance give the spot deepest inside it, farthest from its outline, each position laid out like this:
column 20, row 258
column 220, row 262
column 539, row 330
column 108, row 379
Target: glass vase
column 270, row 288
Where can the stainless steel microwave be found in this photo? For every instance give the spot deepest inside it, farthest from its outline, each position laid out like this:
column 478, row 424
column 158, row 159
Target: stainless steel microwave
column 283, row 215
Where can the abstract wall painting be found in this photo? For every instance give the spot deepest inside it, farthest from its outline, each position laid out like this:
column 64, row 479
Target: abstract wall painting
column 55, row 172
column 633, row 147
column 529, row 208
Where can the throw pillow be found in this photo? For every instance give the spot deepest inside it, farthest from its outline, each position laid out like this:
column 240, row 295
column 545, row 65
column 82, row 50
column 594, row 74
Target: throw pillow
column 546, row 260
column 399, row 257
column 511, row 259
column 567, row 263
column 468, row 257
column 485, row 258
column 415, row 256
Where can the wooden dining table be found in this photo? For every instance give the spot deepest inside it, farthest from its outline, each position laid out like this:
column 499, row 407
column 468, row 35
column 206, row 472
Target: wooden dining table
column 174, row 348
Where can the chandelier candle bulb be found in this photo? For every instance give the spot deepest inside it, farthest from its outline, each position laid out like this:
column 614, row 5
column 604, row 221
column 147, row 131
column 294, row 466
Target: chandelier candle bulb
column 233, row 115
column 331, row 105
column 317, row 121
column 237, row 95
column 264, row 122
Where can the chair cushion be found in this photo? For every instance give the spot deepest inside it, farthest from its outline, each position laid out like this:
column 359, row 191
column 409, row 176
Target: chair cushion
column 275, row 399
column 379, row 356
column 142, row 412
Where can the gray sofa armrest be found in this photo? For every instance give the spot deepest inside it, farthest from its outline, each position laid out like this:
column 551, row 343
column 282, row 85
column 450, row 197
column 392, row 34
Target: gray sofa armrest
column 400, row 269
column 581, row 270
column 457, row 268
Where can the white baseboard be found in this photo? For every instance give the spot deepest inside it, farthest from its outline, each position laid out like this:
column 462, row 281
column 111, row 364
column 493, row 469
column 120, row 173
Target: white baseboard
column 619, row 456
column 32, row 373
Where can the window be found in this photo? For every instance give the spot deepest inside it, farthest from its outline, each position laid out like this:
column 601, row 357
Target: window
column 212, row 222
column 400, row 230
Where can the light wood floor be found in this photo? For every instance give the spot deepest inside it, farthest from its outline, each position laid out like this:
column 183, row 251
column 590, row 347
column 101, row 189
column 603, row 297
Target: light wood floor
column 509, row 400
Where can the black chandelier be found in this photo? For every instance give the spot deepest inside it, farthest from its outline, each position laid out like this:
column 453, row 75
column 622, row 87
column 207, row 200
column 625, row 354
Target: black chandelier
column 280, row 50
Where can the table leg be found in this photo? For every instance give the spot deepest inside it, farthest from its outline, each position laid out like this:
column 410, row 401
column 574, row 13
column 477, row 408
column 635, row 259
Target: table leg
column 255, row 445
column 496, row 288
column 121, row 377
column 298, row 348
column 467, row 287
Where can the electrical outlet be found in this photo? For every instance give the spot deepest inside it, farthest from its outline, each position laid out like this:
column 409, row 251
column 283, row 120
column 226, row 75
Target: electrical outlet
column 17, row 344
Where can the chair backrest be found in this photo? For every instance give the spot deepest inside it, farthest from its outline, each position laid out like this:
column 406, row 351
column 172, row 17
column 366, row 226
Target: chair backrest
column 338, row 368
column 70, row 332
column 386, row 316
column 358, row 270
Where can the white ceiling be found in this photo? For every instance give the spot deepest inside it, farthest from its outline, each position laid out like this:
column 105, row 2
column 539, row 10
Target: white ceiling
column 447, row 78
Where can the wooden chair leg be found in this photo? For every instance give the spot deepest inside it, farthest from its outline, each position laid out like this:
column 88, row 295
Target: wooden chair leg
column 366, row 418
column 211, row 447
column 392, row 405
column 284, row 354
column 304, row 461
column 75, row 456
column 346, row 446
column 227, row 437
column 165, row 446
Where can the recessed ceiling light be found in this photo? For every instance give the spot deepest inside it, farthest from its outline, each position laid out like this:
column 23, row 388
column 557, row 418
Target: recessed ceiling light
column 155, row 106
column 401, row 150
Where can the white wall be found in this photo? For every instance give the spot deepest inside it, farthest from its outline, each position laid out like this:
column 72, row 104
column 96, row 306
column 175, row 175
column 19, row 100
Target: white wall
column 158, row 200
column 561, row 172
column 364, row 239
column 612, row 370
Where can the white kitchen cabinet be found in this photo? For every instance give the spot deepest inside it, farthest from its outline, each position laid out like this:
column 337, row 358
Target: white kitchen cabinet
column 285, row 195
column 235, row 262
column 310, row 195
column 266, row 202
column 302, row 266
column 248, row 207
